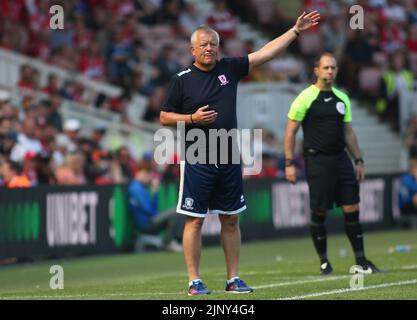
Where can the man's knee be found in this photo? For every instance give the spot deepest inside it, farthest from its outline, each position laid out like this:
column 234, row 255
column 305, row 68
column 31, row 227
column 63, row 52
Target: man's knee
column 318, row 216
column 194, row 222
column 229, row 221
column 351, row 208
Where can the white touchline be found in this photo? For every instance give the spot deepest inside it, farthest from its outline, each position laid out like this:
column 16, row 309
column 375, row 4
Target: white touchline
column 74, row 296
column 409, row 267
column 337, row 291
column 290, row 283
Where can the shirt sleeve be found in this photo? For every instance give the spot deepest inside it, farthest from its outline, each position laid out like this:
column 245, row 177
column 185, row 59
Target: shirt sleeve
column 405, row 194
column 173, row 100
column 298, row 108
column 239, row 65
column 348, row 112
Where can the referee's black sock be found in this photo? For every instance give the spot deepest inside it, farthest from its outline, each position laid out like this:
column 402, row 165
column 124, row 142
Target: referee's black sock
column 319, row 235
column 354, row 232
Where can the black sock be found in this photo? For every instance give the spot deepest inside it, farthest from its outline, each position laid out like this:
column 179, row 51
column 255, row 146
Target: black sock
column 319, row 235
column 354, row 232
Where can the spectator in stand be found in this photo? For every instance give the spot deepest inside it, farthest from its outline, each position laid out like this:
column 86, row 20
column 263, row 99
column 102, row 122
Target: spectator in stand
column 74, row 91
column 97, row 136
column 395, row 12
column 44, row 169
column 411, row 11
column 69, row 137
column 123, row 166
column 102, row 102
column 335, row 37
column 13, row 177
column 120, row 105
column 153, row 108
column 166, row 65
column 143, row 204
column 97, row 159
column 408, row 190
column 26, row 77
column 39, row 46
column 54, row 117
column 410, row 137
column 26, row 141
column 142, row 70
column 394, row 80
column 119, row 55
column 82, row 36
column 52, row 87
column 359, row 53
column 190, row 19
column 102, row 160
column 392, row 36
column 91, row 63
column 222, row 20
column 7, row 142
column 169, row 12
column 411, row 41
column 65, row 57
column 72, row 172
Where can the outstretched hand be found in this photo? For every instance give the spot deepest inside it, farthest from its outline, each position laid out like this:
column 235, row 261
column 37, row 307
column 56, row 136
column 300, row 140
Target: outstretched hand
column 306, row 21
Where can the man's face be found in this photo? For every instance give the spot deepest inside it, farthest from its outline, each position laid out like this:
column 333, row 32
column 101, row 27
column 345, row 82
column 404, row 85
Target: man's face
column 145, row 176
column 327, row 70
column 205, row 49
column 6, row 172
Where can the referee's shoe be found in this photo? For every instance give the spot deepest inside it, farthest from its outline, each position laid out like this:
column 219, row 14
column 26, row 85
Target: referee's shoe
column 366, row 267
column 326, row 268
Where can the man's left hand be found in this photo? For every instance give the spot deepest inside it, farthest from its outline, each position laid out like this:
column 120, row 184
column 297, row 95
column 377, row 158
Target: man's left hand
column 306, row 21
column 360, row 172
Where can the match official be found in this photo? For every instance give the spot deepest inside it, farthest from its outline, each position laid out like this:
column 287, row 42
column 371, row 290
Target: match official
column 324, row 112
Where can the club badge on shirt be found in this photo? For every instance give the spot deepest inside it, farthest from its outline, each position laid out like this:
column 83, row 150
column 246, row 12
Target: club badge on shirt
column 223, row 80
column 340, row 106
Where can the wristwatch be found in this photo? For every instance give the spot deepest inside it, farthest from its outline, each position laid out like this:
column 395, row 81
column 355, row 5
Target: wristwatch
column 297, row 33
column 289, row 162
column 358, row 160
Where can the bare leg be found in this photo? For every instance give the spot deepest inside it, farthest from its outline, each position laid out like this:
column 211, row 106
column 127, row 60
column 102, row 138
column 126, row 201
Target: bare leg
column 191, row 242
column 230, row 239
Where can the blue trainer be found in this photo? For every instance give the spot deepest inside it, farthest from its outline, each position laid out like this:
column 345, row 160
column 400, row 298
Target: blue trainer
column 238, row 286
column 197, row 287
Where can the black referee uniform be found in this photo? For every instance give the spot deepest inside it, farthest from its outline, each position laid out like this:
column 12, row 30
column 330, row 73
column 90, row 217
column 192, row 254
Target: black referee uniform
column 329, row 170
column 207, row 187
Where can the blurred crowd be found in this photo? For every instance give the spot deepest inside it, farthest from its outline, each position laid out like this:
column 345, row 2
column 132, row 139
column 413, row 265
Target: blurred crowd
column 375, row 62
column 138, row 45
column 38, row 147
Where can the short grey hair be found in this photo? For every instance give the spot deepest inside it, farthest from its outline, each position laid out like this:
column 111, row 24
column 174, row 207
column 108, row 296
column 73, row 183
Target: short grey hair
column 206, row 29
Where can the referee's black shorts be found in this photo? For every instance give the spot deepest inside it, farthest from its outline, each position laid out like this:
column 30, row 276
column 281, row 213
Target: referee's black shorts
column 331, row 179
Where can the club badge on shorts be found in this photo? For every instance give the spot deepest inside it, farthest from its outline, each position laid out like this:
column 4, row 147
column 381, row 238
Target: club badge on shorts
column 340, row 106
column 188, row 203
column 223, row 80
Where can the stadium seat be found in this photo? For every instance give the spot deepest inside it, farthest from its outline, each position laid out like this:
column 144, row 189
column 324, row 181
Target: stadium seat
column 144, row 241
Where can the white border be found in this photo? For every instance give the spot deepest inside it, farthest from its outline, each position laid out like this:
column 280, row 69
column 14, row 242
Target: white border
column 216, row 211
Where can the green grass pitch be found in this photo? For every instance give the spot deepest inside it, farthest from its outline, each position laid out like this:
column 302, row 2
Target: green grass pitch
column 276, row 269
